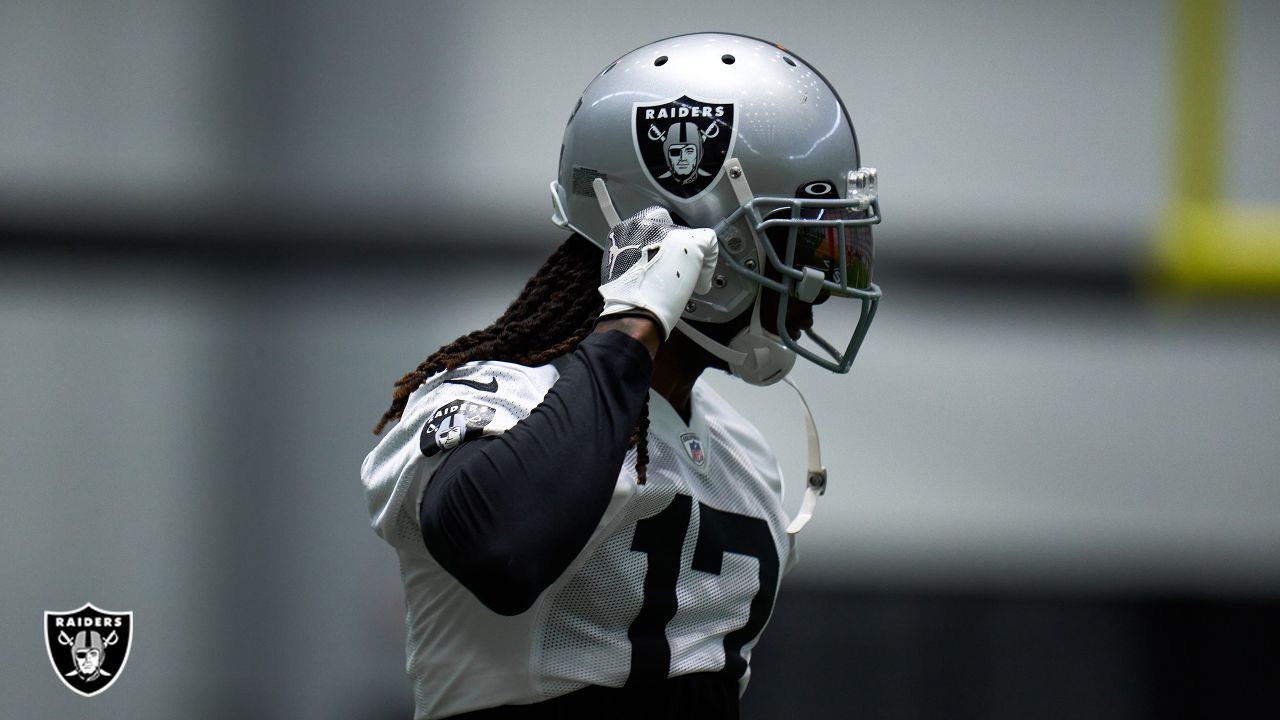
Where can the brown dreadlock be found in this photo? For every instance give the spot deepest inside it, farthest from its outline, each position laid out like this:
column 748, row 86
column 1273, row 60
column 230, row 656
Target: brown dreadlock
column 556, row 310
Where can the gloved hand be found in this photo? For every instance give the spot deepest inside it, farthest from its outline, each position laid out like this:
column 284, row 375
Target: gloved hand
column 653, row 264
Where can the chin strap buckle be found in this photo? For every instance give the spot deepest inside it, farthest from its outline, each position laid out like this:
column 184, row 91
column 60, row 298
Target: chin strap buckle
column 818, row 481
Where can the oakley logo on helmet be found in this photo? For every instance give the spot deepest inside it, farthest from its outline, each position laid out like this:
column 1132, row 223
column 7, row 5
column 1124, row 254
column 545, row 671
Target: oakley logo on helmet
column 682, row 143
column 88, row 647
column 818, row 189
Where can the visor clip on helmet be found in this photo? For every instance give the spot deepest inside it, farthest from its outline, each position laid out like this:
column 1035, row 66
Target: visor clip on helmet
column 810, row 285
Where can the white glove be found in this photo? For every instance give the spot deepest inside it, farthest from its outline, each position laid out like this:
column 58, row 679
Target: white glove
column 655, row 265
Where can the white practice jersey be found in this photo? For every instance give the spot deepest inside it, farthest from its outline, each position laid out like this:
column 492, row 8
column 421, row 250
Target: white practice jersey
column 698, row 539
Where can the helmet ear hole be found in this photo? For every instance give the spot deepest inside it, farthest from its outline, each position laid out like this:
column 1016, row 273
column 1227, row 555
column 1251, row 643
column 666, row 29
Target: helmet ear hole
column 662, row 60
column 727, row 59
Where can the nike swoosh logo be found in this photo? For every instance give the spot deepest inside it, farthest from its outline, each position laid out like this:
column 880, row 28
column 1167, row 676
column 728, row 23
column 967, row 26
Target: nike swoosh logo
column 491, row 386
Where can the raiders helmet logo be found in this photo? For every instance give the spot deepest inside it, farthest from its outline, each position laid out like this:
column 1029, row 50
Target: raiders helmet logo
column 88, row 647
column 682, row 143
column 453, row 423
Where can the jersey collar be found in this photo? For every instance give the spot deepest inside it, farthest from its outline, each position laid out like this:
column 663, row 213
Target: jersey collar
column 690, row 441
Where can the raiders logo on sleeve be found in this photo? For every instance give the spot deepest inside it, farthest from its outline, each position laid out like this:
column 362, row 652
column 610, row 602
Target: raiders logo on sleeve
column 453, row 423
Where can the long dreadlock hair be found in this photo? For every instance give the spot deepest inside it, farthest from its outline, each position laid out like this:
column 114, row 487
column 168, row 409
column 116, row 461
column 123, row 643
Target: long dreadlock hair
column 556, row 310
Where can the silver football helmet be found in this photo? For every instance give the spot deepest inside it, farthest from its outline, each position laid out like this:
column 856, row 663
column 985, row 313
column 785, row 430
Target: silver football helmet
column 742, row 136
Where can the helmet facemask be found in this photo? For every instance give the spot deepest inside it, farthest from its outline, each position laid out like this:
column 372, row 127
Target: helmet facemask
column 817, row 248
column 812, row 248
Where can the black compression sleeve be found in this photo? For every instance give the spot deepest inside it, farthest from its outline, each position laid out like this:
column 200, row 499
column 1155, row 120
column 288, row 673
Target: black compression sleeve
column 506, row 514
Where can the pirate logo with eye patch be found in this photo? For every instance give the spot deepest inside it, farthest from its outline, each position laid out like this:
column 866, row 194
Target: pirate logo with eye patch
column 682, row 143
column 88, row 647
column 454, row 423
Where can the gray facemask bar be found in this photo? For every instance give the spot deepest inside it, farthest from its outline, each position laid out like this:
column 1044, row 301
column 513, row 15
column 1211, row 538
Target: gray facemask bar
column 808, row 283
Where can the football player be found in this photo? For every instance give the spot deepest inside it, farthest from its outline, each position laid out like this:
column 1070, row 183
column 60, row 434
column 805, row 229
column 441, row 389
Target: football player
column 584, row 528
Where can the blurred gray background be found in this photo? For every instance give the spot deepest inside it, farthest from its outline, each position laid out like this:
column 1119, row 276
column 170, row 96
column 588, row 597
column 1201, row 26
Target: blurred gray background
column 227, row 227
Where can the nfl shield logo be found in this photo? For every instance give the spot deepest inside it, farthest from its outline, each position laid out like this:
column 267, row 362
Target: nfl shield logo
column 693, row 446
column 88, row 647
column 682, row 143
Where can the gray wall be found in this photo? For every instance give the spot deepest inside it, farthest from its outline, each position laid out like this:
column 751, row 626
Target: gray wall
column 1032, row 129
column 180, row 432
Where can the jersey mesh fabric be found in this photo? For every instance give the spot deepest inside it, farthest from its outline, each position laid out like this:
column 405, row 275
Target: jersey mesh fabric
column 724, row 488
column 463, row 657
column 395, row 474
column 584, row 635
column 395, row 471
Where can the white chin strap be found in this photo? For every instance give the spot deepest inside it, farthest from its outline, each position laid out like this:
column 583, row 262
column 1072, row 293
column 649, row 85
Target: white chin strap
column 754, row 354
column 815, row 474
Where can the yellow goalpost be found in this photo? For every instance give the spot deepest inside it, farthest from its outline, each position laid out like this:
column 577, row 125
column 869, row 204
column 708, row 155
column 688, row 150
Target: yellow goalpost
column 1204, row 241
